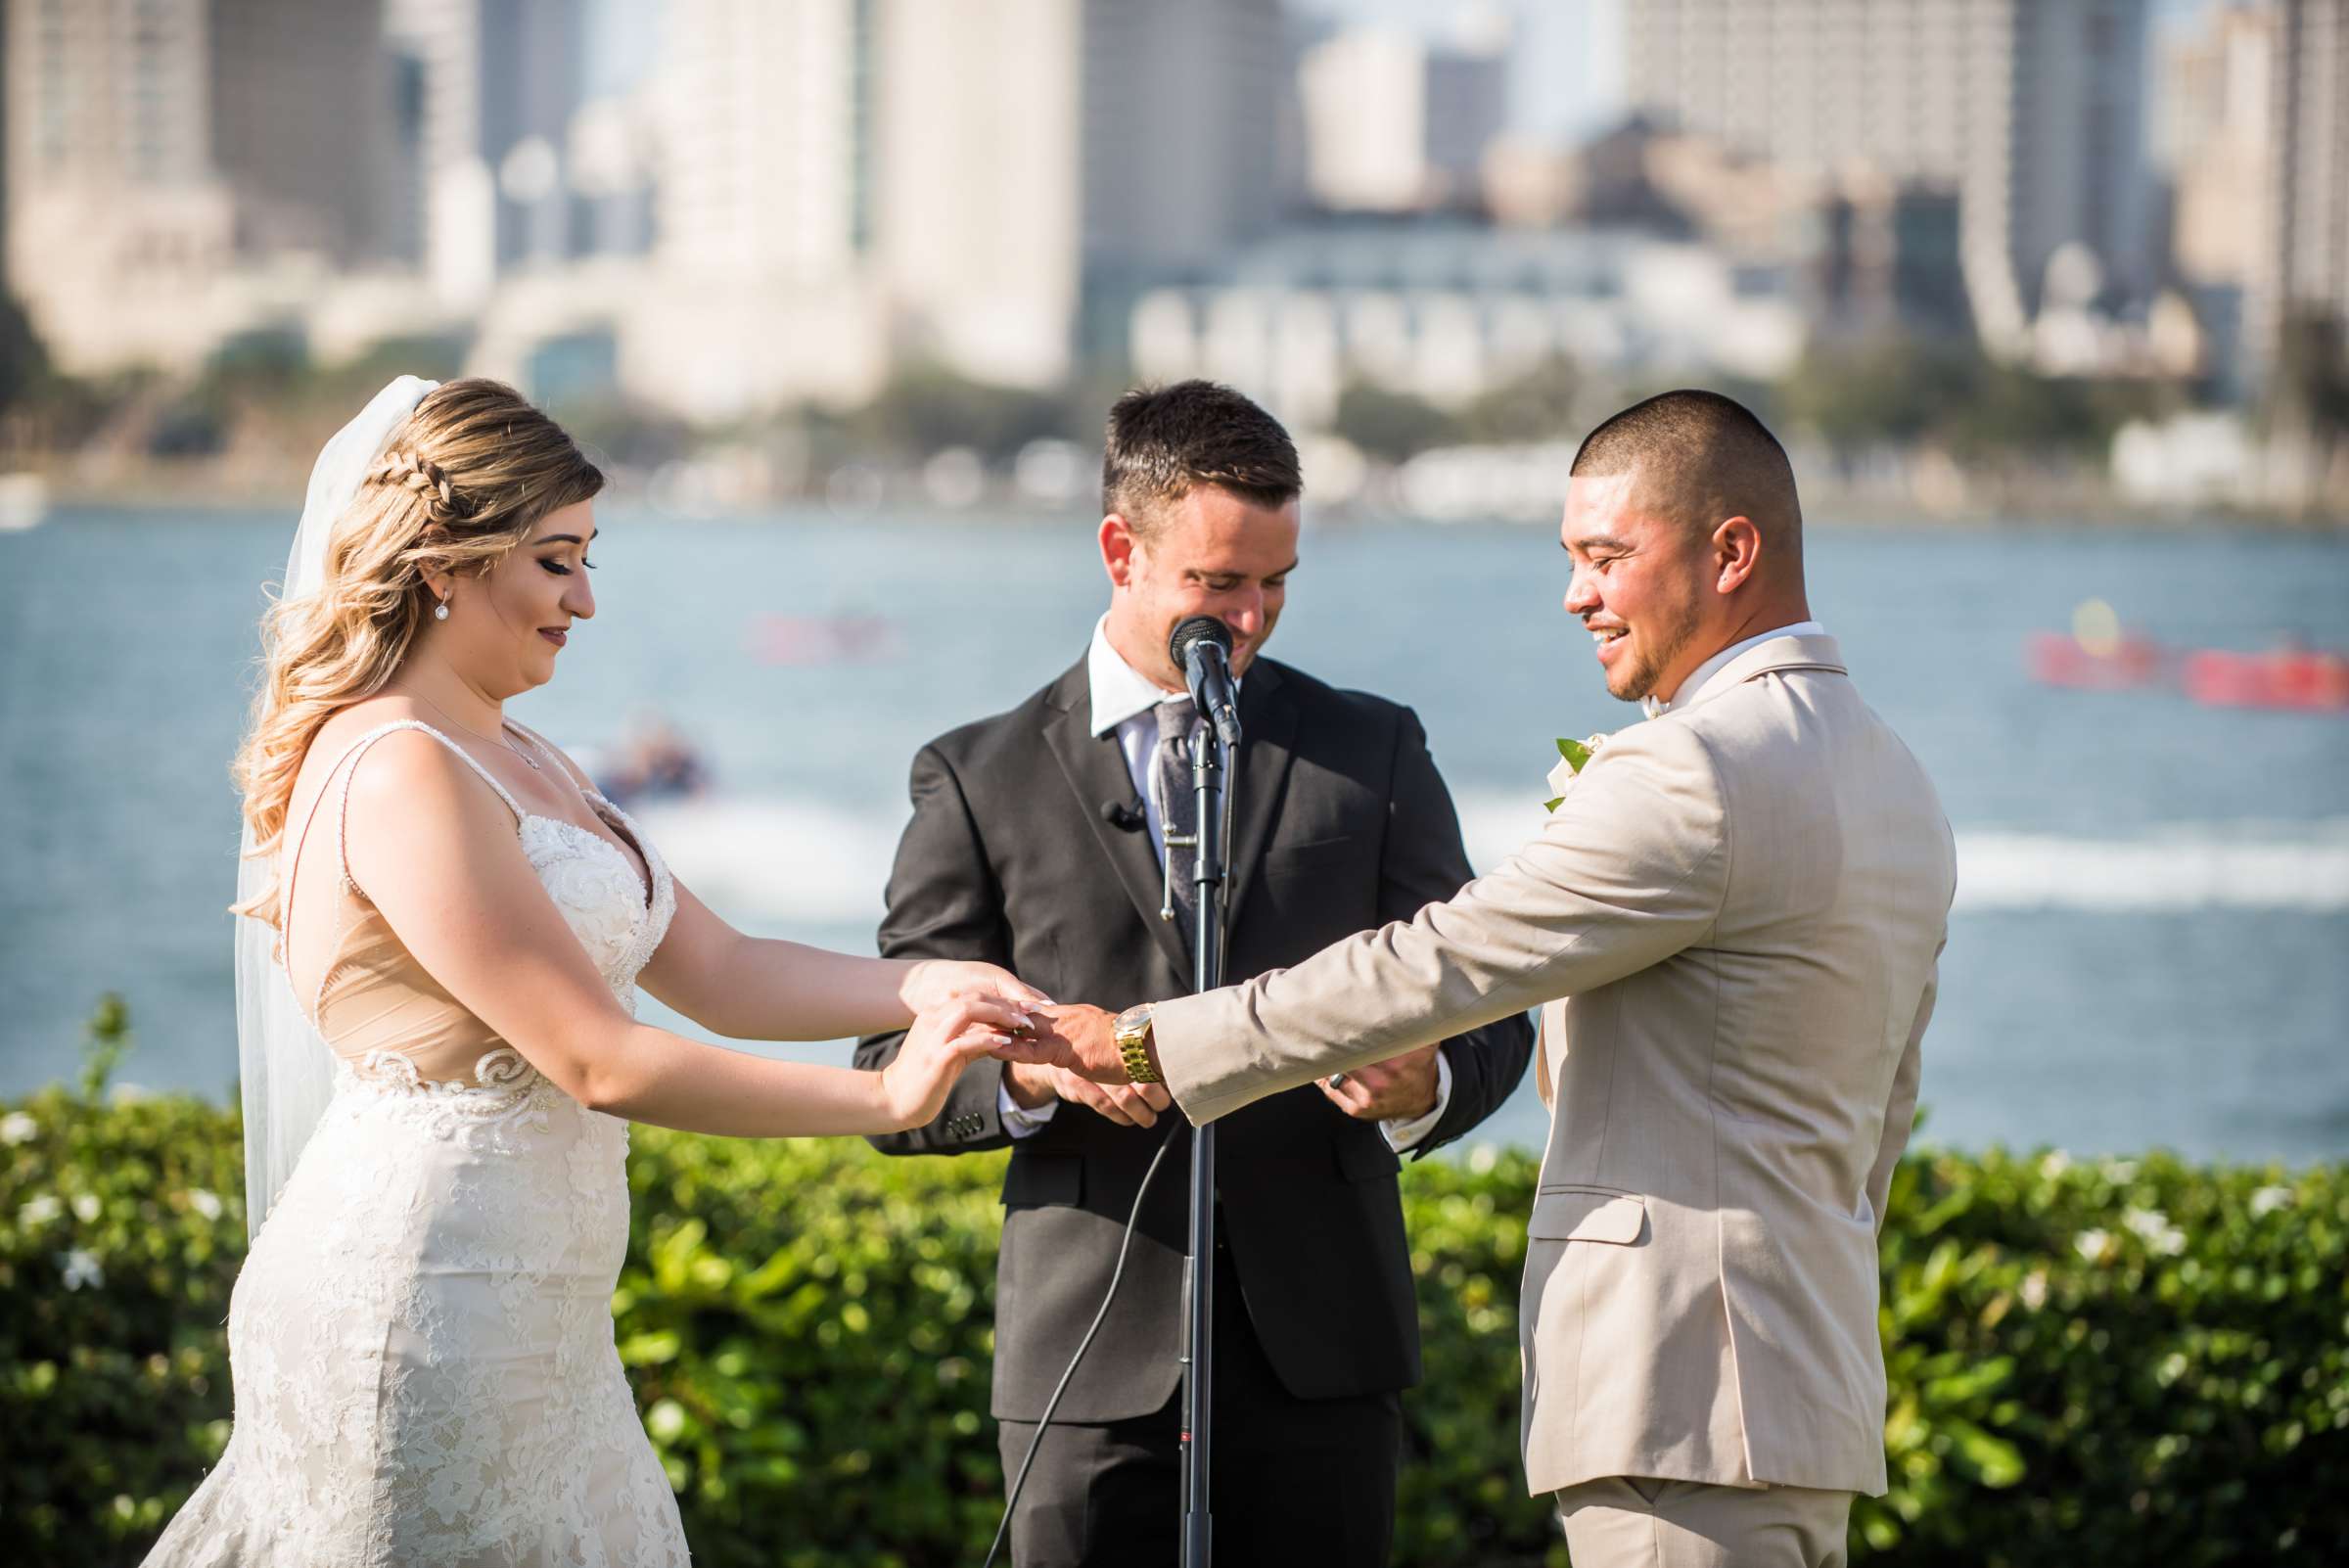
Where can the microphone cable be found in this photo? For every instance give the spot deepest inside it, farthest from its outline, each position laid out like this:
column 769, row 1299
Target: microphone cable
column 1116, row 1275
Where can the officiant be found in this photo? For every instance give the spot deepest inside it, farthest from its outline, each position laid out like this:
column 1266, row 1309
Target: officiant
column 1037, row 841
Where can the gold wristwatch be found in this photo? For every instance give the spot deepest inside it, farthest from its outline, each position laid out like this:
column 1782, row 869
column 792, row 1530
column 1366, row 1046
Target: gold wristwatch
column 1131, row 1032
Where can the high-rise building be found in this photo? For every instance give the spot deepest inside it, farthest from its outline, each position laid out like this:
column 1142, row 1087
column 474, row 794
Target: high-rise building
column 2212, row 133
column 449, row 187
column 763, row 288
column 2212, row 137
column 1467, row 104
column 496, row 85
column 171, row 162
column 1394, row 123
column 1182, row 129
column 300, row 110
column 981, row 226
column 766, row 154
column 1041, row 161
column 2303, row 266
column 2032, row 109
column 1364, row 96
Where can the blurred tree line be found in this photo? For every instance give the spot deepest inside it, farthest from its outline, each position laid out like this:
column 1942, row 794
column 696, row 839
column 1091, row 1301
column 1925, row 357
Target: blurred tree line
column 1851, row 397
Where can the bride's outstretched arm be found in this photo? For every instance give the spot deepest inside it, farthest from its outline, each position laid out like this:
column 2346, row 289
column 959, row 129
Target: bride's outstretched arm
column 755, row 988
column 436, row 853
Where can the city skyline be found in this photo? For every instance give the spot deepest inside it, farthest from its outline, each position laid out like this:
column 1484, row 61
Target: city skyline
column 721, row 210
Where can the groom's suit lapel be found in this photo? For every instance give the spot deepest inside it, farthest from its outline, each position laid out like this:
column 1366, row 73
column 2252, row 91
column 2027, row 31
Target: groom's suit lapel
column 1096, row 770
column 1267, row 733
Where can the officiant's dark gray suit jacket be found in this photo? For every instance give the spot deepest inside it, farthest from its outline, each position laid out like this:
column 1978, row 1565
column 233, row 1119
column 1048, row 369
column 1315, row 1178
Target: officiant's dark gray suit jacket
column 1341, row 824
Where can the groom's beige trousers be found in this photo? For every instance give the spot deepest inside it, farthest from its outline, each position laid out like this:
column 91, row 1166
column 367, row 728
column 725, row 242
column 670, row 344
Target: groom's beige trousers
column 1637, row 1522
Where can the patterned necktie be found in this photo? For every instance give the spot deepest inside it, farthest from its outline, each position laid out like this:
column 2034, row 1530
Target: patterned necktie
column 1179, row 807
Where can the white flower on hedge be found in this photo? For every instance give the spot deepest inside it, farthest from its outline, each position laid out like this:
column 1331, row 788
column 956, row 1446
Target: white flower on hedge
column 2160, row 1235
column 87, row 1208
column 203, row 1203
column 18, row 1127
column 81, row 1269
column 2054, row 1162
column 40, row 1211
column 2035, row 1289
column 2093, row 1245
column 2267, row 1200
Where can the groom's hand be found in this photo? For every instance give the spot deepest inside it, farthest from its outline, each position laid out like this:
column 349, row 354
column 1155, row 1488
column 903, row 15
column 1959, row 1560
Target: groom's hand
column 1399, row 1088
column 1077, row 1039
column 1127, row 1104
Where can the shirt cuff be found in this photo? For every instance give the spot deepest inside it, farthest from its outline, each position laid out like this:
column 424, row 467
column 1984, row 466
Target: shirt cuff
column 1019, row 1120
column 1403, row 1136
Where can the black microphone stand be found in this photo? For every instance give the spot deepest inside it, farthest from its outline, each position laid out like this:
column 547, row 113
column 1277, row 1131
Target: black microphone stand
column 1211, row 766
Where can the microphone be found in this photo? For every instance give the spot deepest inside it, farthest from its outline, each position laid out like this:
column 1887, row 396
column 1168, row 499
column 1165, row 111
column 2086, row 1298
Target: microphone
column 1201, row 648
column 1125, row 818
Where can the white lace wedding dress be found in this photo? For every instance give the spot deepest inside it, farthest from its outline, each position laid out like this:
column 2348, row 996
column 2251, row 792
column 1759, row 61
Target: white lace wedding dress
column 421, row 1338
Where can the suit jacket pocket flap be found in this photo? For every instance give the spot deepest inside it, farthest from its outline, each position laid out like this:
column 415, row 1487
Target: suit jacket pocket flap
column 1043, row 1178
column 1320, row 854
column 1586, row 1214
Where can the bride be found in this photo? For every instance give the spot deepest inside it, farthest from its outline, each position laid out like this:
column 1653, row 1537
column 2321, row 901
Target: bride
column 446, row 927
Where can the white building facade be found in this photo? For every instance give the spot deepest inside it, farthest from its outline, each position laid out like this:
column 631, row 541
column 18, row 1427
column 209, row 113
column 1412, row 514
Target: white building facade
column 1448, row 313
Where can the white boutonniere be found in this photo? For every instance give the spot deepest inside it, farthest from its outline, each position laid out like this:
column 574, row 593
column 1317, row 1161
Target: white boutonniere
column 1572, row 758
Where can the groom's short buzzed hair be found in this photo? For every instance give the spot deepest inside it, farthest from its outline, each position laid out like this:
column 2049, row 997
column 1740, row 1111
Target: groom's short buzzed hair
column 1700, row 459
column 1164, row 441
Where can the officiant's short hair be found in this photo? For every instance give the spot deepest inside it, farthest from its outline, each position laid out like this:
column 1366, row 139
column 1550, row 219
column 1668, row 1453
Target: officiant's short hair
column 1701, row 458
column 1164, row 441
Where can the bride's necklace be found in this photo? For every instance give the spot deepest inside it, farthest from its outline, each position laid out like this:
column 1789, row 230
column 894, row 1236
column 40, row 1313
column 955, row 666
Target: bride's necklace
column 530, row 762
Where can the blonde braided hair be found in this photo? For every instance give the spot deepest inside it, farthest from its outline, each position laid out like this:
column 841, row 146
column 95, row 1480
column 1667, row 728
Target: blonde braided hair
column 428, row 481
column 462, row 482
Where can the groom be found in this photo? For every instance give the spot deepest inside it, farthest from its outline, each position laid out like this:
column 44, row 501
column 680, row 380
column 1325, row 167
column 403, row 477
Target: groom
column 1732, row 923
column 1039, row 840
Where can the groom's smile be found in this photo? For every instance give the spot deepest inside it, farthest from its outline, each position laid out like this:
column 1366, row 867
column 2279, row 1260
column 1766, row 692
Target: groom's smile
column 1632, row 584
column 1213, row 552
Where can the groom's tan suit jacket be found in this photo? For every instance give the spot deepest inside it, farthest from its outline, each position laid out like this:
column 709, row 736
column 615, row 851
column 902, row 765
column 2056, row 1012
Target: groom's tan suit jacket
column 1731, row 925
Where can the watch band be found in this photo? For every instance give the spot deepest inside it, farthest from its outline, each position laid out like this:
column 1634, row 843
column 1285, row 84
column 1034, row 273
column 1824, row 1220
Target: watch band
column 1131, row 1032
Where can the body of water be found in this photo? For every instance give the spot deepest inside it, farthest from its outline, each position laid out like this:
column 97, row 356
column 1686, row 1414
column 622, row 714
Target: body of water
column 2152, row 946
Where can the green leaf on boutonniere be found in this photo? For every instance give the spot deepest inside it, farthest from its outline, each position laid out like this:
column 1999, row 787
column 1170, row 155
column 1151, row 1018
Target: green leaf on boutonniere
column 1576, row 753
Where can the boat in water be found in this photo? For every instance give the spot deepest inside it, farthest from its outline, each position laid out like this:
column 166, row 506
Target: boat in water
column 2291, row 680
column 2056, row 659
column 2101, row 656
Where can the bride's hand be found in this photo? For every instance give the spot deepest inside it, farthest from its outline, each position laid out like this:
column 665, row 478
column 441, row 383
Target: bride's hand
column 943, row 1041
column 933, row 982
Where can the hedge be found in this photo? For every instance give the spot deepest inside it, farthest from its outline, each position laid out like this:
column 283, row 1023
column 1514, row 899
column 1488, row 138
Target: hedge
column 2135, row 1359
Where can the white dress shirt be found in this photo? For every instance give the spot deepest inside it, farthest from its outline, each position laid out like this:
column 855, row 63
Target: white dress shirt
column 1125, row 700
column 1694, row 685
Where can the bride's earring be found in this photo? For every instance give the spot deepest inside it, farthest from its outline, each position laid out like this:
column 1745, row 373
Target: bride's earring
column 440, row 611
